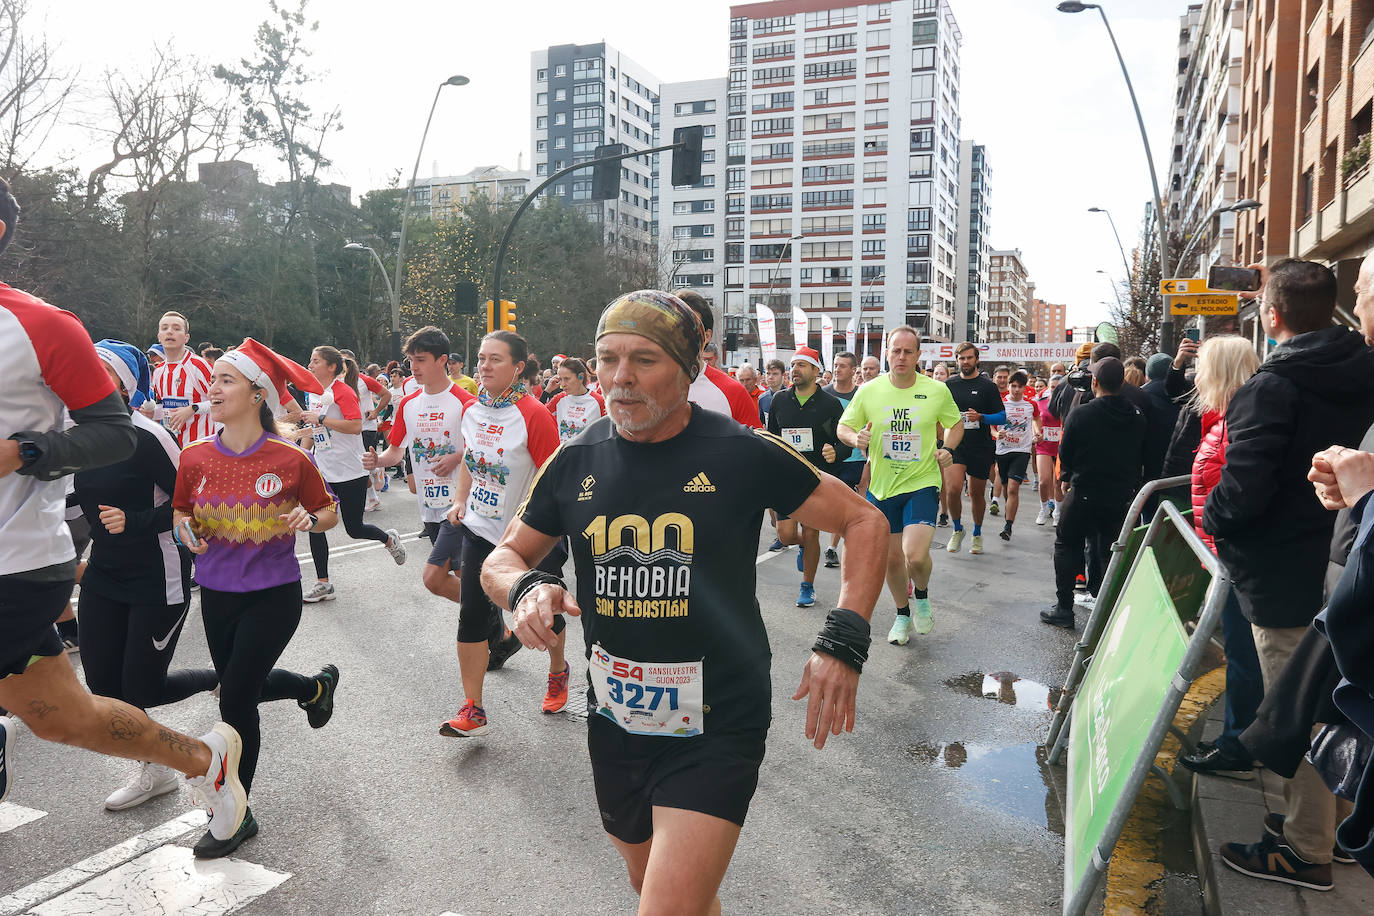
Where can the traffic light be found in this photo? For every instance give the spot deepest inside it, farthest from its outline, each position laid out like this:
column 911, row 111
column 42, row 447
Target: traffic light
column 687, row 158
column 491, row 318
column 1030, row 338
column 507, row 315
column 1068, row 335
column 606, row 174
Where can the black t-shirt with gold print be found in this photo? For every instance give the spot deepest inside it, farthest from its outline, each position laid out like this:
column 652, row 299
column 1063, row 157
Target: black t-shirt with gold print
column 664, row 536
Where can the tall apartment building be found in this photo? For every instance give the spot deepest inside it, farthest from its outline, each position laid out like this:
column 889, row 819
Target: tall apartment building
column 1009, row 299
column 584, row 96
column 445, row 196
column 1049, row 322
column 1207, row 114
column 691, row 219
column 841, row 171
column 971, row 270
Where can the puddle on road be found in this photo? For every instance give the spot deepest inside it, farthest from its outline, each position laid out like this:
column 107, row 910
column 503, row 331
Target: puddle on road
column 1014, row 779
column 1005, row 687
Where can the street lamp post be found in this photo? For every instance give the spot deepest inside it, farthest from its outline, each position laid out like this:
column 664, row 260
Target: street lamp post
column 390, row 293
column 1125, row 262
column 1237, row 207
column 455, row 80
column 1108, row 277
column 773, row 277
column 1166, row 327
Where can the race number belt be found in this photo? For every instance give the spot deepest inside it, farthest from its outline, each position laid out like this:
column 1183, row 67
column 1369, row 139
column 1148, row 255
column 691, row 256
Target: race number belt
column 649, row 698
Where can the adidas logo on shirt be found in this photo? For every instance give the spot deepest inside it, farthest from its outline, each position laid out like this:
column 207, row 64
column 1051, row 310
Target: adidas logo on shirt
column 699, row 484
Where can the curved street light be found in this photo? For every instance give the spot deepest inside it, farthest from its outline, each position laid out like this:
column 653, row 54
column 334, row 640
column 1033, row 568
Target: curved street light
column 386, row 278
column 1166, row 328
column 1238, row 207
column 1125, row 262
column 455, row 80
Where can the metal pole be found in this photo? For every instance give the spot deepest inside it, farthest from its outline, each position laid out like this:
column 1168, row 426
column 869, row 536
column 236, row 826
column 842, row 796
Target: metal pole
column 1166, row 327
column 401, row 246
column 1125, row 262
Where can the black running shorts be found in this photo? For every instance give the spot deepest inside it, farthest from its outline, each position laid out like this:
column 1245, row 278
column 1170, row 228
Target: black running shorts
column 977, row 462
column 28, row 610
column 712, row 774
column 1013, row 465
column 448, row 545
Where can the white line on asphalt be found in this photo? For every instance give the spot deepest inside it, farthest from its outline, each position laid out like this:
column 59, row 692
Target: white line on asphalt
column 168, row 879
column 768, row 556
column 347, row 549
column 12, row 815
column 58, row 882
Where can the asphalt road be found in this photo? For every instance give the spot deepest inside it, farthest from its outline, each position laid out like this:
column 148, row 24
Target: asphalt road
column 937, row 803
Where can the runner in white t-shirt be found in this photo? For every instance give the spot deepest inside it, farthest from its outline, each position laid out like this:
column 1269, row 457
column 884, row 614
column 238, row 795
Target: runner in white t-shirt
column 576, row 406
column 336, row 425
column 1020, row 431
column 509, row 435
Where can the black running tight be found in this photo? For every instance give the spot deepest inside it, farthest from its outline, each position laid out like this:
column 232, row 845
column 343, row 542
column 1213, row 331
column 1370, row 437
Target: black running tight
column 352, row 496
column 247, row 632
column 126, row 648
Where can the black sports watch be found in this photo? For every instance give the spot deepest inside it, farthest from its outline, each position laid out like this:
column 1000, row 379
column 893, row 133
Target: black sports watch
column 29, row 452
column 314, row 520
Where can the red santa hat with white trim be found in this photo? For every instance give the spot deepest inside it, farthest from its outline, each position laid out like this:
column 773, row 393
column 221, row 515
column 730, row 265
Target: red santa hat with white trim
column 271, row 372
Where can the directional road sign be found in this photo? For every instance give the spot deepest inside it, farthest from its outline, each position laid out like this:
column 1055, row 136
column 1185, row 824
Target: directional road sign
column 1204, row 304
column 1189, row 285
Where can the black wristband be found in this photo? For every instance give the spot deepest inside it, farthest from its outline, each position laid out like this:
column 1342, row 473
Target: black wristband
column 845, row 636
column 528, row 581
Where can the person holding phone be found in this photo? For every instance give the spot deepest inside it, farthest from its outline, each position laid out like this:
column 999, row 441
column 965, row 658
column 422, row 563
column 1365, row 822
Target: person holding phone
column 241, row 498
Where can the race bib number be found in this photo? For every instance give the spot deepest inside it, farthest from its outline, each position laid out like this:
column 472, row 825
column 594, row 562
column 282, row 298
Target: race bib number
column 320, row 436
column 437, row 492
column 1052, row 433
column 799, row 438
column 649, row 698
column 902, row 446
column 972, row 424
column 170, row 404
column 486, row 499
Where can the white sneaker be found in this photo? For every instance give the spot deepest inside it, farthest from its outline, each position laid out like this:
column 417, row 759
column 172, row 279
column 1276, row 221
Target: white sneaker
column 374, row 504
column 1054, row 518
column 323, row 591
column 1087, row 602
column 1044, row 514
column 395, row 547
column 152, row 780
column 955, row 540
column 220, row 790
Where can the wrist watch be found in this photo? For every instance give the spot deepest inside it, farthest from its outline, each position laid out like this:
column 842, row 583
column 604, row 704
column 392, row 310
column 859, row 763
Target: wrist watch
column 314, row 520
column 29, row 452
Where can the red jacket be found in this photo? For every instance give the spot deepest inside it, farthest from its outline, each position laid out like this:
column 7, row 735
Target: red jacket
column 1207, row 464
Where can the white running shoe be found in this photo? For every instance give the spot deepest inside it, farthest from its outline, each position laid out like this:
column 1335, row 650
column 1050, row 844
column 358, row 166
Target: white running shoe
column 1054, row 517
column 1044, row 514
column 900, row 634
column 323, row 591
column 374, row 504
column 220, row 790
column 955, row 540
column 152, row 780
column 395, row 547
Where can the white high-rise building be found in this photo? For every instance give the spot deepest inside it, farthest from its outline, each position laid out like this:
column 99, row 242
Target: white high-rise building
column 584, row 96
column 971, row 270
column 841, row 167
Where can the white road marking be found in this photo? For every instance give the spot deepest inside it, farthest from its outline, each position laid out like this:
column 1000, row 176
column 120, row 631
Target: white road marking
column 44, row 889
column 349, row 549
column 167, row 880
column 768, row 556
column 12, row 815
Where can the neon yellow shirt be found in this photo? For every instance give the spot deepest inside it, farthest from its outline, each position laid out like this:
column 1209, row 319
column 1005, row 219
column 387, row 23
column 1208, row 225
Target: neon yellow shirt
column 902, row 450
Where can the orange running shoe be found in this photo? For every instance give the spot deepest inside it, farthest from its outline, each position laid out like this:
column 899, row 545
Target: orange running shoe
column 470, row 722
column 557, row 696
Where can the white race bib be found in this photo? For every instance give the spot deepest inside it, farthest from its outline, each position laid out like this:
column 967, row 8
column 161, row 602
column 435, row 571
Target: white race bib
column 902, row 446
column 972, row 424
column 1052, row 433
column 321, row 437
column 649, row 698
column 799, row 437
column 436, row 492
column 487, row 498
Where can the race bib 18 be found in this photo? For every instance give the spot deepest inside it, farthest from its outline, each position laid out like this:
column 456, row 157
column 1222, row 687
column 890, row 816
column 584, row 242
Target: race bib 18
column 649, row 698
column 799, row 437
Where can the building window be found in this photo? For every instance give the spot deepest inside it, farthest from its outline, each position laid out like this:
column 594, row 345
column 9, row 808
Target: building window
column 541, row 98
column 924, row 31
column 560, row 142
column 923, row 59
column 541, row 146
column 878, row 65
column 922, row 112
column 560, row 118
column 875, row 222
column 560, row 70
column 541, row 122
column 541, row 75
column 879, row 38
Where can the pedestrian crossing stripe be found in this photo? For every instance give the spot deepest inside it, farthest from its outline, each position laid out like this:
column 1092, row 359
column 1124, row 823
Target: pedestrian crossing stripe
column 12, row 816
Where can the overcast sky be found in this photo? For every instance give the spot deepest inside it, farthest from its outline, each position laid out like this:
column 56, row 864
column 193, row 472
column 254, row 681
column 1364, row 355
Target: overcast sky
column 1041, row 89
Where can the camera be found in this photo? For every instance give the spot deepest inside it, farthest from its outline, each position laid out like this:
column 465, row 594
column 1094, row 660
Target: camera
column 1081, row 380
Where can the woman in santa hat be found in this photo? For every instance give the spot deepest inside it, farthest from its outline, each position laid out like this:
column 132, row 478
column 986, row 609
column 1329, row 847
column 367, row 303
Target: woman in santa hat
column 241, row 498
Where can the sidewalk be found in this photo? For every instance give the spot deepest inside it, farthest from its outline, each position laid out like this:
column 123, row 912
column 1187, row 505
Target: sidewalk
column 1230, row 810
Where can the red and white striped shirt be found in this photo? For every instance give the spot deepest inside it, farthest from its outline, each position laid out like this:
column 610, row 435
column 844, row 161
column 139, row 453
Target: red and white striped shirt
column 181, row 384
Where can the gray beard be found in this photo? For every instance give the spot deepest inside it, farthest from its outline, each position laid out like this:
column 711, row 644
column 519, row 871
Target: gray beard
column 656, row 415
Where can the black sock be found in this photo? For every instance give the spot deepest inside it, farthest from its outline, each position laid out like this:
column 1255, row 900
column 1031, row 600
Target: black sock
column 920, row 593
column 67, row 629
column 1007, row 527
column 904, row 611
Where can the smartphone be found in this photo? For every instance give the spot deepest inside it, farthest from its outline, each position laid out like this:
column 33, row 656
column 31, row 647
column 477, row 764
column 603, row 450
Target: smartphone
column 1233, row 279
column 1193, row 334
column 188, row 535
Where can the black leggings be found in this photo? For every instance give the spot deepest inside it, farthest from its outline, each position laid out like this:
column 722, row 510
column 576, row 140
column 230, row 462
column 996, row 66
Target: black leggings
column 478, row 618
column 126, row 648
column 247, row 633
column 352, row 496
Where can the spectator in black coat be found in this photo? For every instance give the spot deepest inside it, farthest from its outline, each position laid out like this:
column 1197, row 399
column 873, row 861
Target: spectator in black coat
column 1271, row 531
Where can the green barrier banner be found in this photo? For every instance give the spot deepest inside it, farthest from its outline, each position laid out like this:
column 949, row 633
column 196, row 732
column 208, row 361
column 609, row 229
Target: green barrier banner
column 1124, row 688
column 1184, row 577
